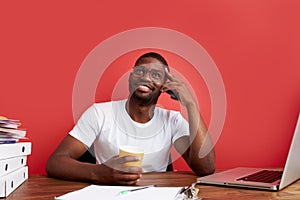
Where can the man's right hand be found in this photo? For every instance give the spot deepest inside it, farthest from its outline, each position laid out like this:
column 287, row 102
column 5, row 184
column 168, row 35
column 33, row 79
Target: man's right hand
column 114, row 171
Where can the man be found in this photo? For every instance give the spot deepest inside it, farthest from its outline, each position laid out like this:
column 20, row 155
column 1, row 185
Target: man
column 135, row 121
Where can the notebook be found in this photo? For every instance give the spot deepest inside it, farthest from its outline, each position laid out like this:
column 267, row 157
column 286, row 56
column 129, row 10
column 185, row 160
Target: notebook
column 257, row 178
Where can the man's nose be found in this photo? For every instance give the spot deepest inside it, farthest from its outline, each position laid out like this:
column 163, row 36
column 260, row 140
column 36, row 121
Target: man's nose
column 147, row 76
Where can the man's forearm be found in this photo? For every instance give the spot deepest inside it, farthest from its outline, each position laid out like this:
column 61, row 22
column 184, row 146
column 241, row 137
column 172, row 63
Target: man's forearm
column 199, row 142
column 70, row 169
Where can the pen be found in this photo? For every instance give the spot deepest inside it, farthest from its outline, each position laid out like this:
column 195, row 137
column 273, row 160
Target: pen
column 136, row 189
column 183, row 190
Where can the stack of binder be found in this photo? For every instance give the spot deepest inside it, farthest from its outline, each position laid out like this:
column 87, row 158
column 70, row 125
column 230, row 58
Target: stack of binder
column 14, row 149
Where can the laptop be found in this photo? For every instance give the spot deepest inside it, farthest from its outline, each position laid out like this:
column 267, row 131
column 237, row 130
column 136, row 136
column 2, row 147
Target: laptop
column 258, row 178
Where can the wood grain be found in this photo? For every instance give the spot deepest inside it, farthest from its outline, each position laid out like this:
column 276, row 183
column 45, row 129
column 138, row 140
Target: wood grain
column 42, row 187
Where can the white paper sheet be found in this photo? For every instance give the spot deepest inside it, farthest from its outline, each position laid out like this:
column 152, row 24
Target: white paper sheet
column 94, row 192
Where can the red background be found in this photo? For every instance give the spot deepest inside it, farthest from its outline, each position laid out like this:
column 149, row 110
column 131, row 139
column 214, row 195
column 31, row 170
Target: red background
column 254, row 43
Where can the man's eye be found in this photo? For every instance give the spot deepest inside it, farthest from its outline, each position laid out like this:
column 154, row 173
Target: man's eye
column 139, row 71
column 156, row 75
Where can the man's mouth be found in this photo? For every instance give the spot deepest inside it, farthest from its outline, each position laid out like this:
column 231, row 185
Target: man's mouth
column 144, row 88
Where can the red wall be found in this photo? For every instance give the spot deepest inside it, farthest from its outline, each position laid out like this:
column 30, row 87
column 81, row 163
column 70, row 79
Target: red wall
column 255, row 45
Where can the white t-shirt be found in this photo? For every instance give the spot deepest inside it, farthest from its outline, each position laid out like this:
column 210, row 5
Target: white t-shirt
column 108, row 126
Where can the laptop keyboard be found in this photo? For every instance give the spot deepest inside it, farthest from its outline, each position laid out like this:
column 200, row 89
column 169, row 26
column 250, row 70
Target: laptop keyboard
column 264, row 176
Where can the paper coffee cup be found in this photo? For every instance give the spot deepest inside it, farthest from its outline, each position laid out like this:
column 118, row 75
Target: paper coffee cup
column 132, row 151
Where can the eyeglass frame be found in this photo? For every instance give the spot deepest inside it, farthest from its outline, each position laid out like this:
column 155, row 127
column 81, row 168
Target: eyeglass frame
column 150, row 72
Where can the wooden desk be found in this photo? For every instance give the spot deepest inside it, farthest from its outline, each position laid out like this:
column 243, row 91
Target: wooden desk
column 44, row 188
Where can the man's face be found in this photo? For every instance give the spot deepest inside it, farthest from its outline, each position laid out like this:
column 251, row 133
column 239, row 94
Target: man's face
column 146, row 80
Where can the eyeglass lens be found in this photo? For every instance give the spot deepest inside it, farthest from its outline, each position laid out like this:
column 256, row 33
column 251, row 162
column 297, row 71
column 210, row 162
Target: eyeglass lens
column 155, row 74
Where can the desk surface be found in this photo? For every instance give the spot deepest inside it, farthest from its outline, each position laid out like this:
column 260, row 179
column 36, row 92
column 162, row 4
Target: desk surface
column 44, row 188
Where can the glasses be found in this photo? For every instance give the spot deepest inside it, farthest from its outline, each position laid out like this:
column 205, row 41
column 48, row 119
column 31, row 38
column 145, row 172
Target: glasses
column 154, row 74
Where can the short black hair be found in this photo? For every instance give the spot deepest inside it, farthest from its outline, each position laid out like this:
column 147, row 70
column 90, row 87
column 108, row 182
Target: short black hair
column 153, row 55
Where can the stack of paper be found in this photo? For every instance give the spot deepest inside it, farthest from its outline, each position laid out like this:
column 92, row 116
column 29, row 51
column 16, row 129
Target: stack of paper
column 95, row 192
column 14, row 149
column 10, row 131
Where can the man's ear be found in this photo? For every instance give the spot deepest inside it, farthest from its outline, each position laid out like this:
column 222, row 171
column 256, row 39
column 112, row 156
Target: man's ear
column 130, row 76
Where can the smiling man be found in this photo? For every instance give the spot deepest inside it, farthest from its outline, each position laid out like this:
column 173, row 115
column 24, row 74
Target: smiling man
column 135, row 121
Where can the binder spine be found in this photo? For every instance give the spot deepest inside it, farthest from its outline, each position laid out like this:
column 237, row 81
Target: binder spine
column 12, row 181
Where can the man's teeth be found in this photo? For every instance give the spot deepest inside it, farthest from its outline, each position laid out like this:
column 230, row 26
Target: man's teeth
column 144, row 88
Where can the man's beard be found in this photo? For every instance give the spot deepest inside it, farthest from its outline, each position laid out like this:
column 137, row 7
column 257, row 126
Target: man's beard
column 145, row 100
